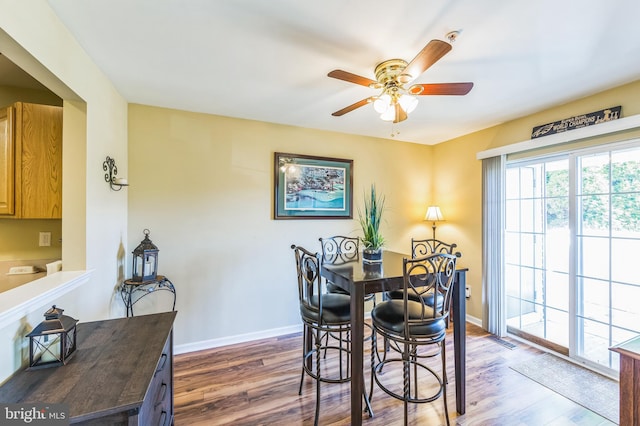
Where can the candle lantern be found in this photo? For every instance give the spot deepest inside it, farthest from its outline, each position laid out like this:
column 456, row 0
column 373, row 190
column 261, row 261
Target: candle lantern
column 145, row 260
column 53, row 342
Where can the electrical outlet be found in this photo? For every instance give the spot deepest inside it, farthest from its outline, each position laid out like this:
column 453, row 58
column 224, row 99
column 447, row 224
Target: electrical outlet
column 467, row 291
column 45, row 239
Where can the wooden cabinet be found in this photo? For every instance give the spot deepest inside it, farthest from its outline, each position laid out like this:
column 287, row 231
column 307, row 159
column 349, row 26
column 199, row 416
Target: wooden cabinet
column 7, row 156
column 31, row 161
column 629, row 381
column 121, row 374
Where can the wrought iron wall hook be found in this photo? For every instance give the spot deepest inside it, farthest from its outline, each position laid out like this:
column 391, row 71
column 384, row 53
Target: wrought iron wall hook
column 109, row 166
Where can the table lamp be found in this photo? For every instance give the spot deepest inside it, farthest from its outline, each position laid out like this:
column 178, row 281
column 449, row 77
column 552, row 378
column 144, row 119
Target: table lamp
column 434, row 215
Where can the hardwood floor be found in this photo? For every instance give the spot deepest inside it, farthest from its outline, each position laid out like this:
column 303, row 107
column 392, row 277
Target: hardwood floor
column 257, row 384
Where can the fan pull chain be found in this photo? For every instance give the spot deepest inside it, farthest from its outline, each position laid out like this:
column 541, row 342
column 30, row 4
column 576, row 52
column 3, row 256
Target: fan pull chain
column 394, row 132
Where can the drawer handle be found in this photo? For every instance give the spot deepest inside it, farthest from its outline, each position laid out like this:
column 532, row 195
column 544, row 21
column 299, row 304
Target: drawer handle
column 163, row 392
column 161, row 364
column 163, row 418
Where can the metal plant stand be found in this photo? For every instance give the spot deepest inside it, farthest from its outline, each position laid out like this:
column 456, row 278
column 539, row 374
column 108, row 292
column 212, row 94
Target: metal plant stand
column 132, row 291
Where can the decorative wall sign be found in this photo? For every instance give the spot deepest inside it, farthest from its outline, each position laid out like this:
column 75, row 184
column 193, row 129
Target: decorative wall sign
column 309, row 187
column 577, row 122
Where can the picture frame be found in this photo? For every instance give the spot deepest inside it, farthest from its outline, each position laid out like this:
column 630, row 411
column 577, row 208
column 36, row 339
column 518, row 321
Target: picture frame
column 310, row 187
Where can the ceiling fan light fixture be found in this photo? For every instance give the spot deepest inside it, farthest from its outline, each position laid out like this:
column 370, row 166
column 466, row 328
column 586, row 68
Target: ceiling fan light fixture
column 408, row 103
column 395, row 101
column 382, row 104
column 389, row 114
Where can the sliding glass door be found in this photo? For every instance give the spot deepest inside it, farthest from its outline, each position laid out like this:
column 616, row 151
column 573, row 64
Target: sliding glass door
column 536, row 251
column 572, row 237
column 607, row 246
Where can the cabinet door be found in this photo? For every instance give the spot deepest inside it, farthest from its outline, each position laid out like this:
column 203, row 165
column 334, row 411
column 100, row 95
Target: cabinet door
column 7, row 162
column 40, row 132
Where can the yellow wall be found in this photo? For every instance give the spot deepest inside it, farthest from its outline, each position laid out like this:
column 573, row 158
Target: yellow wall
column 19, row 239
column 203, row 185
column 458, row 174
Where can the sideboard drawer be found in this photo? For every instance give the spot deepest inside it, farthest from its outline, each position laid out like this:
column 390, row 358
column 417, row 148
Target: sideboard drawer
column 157, row 408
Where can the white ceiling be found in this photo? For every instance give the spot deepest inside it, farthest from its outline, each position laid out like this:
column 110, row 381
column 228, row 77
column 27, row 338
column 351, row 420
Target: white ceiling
column 268, row 60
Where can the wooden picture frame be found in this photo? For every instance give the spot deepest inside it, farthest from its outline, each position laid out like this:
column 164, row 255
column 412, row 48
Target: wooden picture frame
column 309, row 187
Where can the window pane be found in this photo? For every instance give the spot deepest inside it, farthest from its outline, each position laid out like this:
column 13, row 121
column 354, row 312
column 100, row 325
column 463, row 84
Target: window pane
column 557, row 285
column 527, row 215
column 512, row 240
column 596, row 341
column 557, row 250
column 527, row 182
column 623, row 254
column 512, row 280
column 624, row 306
column 594, row 172
column 556, row 330
column 595, row 300
column 513, row 217
column 557, row 179
column 625, row 170
column 595, row 257
column 557, row 213
column 595, row 215
column 625, row 213
column 527, row 250
column 512, row 182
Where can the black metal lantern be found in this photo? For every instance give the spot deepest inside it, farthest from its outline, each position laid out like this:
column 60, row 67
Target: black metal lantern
column 145, row 260
column 53, row 342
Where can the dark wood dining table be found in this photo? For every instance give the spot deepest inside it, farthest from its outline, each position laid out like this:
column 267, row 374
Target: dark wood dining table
column 360, row 279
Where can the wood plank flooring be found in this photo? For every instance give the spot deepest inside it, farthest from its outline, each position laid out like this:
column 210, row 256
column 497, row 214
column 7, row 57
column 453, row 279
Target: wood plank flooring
column 256, row 383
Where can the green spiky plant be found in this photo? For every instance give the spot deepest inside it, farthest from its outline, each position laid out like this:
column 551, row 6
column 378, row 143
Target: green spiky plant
column 370, row 220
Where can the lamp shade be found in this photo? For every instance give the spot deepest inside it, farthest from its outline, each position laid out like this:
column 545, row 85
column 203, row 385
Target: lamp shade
column 381, row 105
column 434, row 214
column 408, row 103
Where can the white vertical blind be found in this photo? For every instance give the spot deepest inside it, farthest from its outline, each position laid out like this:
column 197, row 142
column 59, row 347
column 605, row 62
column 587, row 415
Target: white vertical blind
column 493, row 290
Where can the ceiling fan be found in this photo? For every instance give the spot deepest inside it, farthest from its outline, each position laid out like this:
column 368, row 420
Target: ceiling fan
column 396, row 100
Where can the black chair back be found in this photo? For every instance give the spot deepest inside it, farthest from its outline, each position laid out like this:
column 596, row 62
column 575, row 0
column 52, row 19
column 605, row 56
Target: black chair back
column 431, row 274
column 427, row 246
column 340, row 249
column 308, row 269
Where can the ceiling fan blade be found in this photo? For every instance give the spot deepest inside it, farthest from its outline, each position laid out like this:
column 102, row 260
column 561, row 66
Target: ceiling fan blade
column 351, row 107
column 440, row 89
column 429, row 55
column 401, row 115
column 352, row 78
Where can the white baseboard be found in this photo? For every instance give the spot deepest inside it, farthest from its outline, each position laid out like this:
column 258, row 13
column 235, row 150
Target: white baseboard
column 232, row 340
column 264, row 334
column 474, row 320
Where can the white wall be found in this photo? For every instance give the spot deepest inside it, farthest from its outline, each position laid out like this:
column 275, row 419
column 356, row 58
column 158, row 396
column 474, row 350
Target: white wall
column 95, row 125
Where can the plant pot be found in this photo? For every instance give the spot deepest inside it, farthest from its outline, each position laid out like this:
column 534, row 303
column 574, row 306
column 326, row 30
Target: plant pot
column 372, row 255
column 372, row 270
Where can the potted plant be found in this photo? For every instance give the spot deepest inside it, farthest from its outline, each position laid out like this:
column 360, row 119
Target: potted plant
column 370, row 220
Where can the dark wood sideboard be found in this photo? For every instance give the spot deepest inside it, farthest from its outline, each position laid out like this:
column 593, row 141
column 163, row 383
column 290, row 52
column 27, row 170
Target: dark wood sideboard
column 121, row 374
column 629, row 381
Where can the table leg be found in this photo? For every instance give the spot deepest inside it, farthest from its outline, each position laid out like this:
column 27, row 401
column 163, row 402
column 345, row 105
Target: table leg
column 459, row 339
column 357, row 353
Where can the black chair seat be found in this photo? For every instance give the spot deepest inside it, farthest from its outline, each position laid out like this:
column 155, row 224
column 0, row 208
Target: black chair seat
column 332, row 288
column 389, row 316
column 335, row 308
column 413, row 295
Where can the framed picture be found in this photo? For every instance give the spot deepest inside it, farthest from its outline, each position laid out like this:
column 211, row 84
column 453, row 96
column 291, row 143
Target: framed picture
column 308, row 187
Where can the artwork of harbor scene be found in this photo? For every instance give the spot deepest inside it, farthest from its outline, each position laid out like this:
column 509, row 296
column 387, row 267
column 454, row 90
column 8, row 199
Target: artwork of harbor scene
column 314, row 187
column 310, row 187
